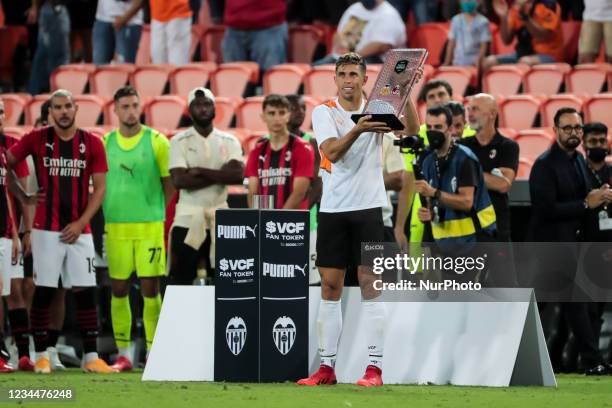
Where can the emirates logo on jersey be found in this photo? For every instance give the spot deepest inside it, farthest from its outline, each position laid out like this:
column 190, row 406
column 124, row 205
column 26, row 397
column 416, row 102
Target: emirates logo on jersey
column 64, row 167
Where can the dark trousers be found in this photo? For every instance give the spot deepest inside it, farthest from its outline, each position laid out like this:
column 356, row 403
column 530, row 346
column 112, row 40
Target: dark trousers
column 184, row 260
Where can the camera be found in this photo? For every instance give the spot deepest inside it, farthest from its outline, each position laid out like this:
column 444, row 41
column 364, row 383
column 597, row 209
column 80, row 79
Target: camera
column 410, row 144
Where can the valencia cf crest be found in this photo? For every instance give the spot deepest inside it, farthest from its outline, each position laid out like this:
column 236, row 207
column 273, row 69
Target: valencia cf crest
column 235, row 334
column 492, row 153
column 284, row 333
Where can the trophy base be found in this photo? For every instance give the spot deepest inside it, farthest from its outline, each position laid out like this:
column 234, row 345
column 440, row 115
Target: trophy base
column 390, row 119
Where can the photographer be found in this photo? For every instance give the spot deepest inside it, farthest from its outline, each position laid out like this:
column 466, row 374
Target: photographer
column 458, row 204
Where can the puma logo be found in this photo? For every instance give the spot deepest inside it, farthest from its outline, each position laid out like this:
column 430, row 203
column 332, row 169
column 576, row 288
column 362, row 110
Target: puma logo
column 303, row 270
column 126, row 168
column 49, row 146
column 251, row 229
column 262, row 158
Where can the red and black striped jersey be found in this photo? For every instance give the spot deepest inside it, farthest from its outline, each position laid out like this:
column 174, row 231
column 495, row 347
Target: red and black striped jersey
column 6, row 221
column 63, row 170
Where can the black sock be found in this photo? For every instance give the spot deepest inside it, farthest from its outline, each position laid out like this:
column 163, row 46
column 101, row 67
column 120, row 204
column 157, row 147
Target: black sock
column 40, row 317
column 20, row 330
column 53, row 336
column 87, row 318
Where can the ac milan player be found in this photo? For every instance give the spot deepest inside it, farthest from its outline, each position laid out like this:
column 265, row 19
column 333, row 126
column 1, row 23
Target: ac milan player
column 66, row 158
column 11, row 270
column 283, row 164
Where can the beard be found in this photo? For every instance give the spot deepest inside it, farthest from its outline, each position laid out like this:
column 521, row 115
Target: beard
column 203, row 121
column 64, row 127
column 571, row 143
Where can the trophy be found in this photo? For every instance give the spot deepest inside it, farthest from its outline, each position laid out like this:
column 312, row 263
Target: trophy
column 393, row 86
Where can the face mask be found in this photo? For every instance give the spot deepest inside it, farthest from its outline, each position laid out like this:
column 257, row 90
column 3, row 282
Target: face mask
column 469, row 6
column 597, row 154
column 436, row 139
column 369, row 4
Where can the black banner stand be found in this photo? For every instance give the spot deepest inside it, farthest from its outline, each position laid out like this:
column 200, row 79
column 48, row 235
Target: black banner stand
column 261, row 295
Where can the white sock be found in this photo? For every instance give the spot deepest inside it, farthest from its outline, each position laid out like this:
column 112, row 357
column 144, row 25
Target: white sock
column 40, row 354
column 89, row 357
column 374, row 314
column 329, row 326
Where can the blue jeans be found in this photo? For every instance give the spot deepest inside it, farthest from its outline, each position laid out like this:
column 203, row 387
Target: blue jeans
column 53, row 46
column 267, row 47
column 106, row 41
column 513, row 59
column 425, row 11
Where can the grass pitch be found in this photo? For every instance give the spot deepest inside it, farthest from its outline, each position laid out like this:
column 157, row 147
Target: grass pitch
column 127, row 390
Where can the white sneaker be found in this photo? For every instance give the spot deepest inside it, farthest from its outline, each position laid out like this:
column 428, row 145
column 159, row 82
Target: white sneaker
column 56, row 364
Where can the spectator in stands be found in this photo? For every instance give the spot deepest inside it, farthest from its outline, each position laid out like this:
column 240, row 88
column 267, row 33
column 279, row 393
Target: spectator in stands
column 369, row 28
column 281, row 165
column 561, row 196
column 117, row 31
column 256, row 31
column 459, row 125
column 469, row 36
column 82, row 18
column 536, row 24
column 170, row 31
column 53, row 45
column 203, row 161
column 424, row 11
column 596, row 27
column 497, row 155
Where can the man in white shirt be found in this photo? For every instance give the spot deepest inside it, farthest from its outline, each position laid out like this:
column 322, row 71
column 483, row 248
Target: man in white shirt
column 350, row 214
column 117, row 30
column 596, row 26
column 369, row 28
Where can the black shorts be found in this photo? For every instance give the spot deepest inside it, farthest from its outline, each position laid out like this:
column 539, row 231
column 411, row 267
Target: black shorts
column 340, row 235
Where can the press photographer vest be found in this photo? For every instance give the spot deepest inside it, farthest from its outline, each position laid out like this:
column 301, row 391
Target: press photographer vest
column 458, row 227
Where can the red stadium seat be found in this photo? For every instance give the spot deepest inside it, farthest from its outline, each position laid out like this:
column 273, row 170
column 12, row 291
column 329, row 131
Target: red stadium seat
column 10, row 38
column 519, row 111
column 372, row 72
column 249, row 143
column 70, row 77
column 311, row 102
column 458, row 77
column 510, row 133
column 571, row 35
column 231, row 79
column 533, row 142
column 90, row 109
column 599, row 108
column 32, row 111
column 149, row 81
column 431, row 36
column 15, row 131
column 303, row 42
column 96, row 130
column 554, row 103
column 14, row 107
column 284, row 79
column 165, row 111
column 110, row 119
column 524, row 168
column 545, row 78
column 183, row 79
column 248, row 114
column 225, row 108
column 428, row 72
column 587, row 78
column 108, row 78
column 320, row 82
column 210, row 44
column 504, row 79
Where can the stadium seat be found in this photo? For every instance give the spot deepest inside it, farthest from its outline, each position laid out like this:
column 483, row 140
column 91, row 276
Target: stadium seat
column 149, row 81
column 225, row 108
column 303, row 42
column 428, row 72
column 311, row 102
column 599, row 108
column 183, row 79
column 14, row 107
column 248, row 114
column 524, row 168
column 210, row 44
column 165, row 111
column 96, row 130
column 458, row 77
column 545, row 78
column 320, row 82
column 587, row 78
column 284, row 79
column 554, row 103
column 15, row 131
column 107, row 79
column 519, row 111
column 504, row 79
column 232, row 79
column 432, row 37
column 70, row 77
column 533, row 142
column 372, row 72
column 240, row 133
column 571, row 35
column 498, row 47
column 110, row 119
column 249, row 143
column 90, row 109
column 10, row 38
column 510, row 133
column 143, row 56
column 32, row 110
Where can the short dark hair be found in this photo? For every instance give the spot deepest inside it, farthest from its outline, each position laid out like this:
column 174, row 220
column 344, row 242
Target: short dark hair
column 436, row 83
column 441, row 110
column 456, row 108
column 277, row 101
column 125, row 91
column 595, row 128
column 351, row 58
column 294, row 99
column 563, row 111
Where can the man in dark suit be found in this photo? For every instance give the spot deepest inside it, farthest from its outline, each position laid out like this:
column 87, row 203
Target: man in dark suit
column 561, row 196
